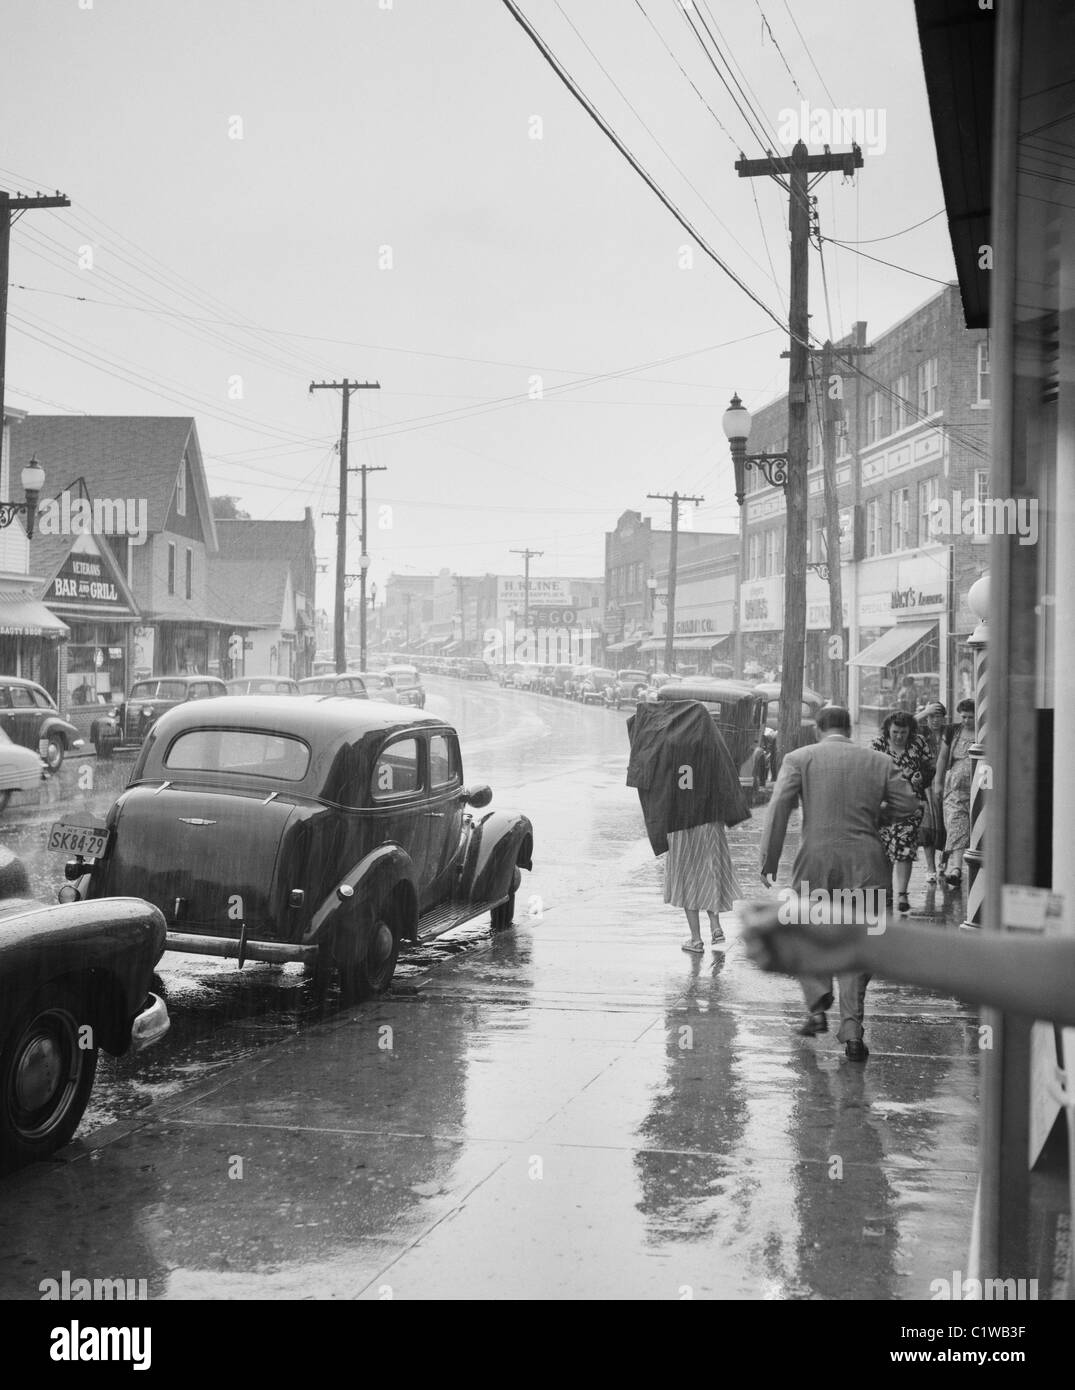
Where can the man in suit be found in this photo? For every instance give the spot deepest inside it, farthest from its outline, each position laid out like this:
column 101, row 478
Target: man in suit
column 846, row 794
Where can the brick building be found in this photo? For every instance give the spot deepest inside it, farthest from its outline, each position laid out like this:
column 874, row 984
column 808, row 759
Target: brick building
column 636, row 554
column 912, row 477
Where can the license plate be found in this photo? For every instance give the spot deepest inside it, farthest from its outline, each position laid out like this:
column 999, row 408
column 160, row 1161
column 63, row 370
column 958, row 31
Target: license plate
column 78, row 839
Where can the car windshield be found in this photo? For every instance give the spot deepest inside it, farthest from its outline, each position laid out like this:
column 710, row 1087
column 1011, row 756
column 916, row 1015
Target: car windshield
column 243, row 752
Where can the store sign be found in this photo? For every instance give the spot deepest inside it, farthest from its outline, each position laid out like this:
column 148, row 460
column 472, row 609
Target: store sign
column 687, row 626
column 84, row 579
column 761, row 604
column 897, row 586
column 550, row 593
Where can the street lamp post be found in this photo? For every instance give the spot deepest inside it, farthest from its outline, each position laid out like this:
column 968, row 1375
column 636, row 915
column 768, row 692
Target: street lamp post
column 33, row 480
column 777, row 471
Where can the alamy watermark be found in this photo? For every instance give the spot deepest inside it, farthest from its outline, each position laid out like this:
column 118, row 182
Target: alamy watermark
column 984, row 516
column 103, row 516
column 818, row 125
column 538, row 646
column 820, row 907
column 1004, row 1290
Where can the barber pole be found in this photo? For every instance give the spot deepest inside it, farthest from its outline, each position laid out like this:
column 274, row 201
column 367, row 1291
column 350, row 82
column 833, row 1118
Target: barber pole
column 981, row 780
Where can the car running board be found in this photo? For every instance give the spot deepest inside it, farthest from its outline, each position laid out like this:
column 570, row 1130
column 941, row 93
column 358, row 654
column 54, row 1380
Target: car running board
column 445, row 916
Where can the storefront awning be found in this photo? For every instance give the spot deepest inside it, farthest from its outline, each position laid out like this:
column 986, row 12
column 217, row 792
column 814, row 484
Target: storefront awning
column 683, row 644
column 699, row 644
column 622, row 646
column 896, row 641
column 24, row 616
column 451, row 647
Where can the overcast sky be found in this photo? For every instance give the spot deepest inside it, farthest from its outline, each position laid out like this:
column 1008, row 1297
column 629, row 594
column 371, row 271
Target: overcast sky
column 388, row 215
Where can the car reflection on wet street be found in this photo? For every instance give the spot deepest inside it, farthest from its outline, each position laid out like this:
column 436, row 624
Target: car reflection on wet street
column 598, row 1114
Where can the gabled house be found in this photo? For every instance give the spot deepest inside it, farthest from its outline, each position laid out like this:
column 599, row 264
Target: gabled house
column 265, row 572
column 145, row 483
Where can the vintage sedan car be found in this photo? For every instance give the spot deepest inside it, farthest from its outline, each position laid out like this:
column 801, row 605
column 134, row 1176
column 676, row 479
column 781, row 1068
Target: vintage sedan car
column 20, row 770
column 123, row 729
column 379, row 686
column 408, row 685
column 323, row 831
column 262, row 685
column 627, row 689
column 350, row 685
column 73, row 979
column 597, row 680
column 28, row 715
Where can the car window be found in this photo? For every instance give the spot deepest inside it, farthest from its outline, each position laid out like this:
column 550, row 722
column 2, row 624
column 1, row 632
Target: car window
column 396, row 770
column 41, row 699
column 21, row 698
column 144, row 690
column 166, row 690
column 245, row 752
column 443, row 761
column 5, row 696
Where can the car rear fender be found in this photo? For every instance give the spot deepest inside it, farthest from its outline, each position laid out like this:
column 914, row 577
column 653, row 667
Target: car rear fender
column 499, row 841
column 386, row 872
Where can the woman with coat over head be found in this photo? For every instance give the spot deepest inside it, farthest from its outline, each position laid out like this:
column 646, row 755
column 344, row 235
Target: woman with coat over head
column 689, row 789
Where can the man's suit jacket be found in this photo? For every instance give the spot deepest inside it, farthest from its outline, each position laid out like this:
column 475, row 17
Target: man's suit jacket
column 846, row 793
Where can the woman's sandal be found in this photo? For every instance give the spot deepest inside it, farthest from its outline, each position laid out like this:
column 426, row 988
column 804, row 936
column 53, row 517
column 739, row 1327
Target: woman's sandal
column 695, row 947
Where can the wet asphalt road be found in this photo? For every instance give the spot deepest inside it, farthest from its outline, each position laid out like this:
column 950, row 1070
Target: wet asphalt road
column 572, row 1109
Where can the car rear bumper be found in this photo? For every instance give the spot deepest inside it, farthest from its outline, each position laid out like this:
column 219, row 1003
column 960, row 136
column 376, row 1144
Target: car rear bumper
column 151, row 1023
column 276, row 952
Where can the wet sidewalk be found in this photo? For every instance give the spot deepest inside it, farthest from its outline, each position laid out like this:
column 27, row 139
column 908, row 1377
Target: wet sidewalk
column 574, row 1109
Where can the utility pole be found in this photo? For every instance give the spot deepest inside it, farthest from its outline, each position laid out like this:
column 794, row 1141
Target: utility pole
column 526, row 585
column 673, row 557
column 831, row 410
column 797, row 169
column 340, row 630
column 11, row 209
column 365, row 560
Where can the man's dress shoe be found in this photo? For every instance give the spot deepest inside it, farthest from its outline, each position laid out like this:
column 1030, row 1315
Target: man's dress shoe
column 812, row 1025
column 856, row 1050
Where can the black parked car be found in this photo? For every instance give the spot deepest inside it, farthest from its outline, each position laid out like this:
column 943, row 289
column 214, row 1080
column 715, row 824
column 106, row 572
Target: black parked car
column 126, row 727
column 28, row 715
column 73, row 979
column 319, row 831
column 349, row 685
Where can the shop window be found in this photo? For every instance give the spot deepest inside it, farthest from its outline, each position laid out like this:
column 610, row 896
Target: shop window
column 981, row 497
column 181, row 490
column 190, row 573
column 171, row 567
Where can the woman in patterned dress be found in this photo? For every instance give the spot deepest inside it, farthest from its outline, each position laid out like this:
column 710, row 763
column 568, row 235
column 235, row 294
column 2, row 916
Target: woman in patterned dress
column 699, row 875
column 900, row 739
column 953, row 781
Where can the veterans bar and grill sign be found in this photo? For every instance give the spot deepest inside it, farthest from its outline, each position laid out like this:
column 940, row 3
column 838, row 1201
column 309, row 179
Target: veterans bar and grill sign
column 83, row 580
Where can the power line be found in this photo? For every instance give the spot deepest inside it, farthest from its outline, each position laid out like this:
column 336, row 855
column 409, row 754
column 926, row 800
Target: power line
column 776, row 45
column 687, row 180
column 806, row 49
column 892, row 235
column 891, row 264
column 600, row 121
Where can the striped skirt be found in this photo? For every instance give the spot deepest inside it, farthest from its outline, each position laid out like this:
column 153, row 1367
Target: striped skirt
column 698, row 871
